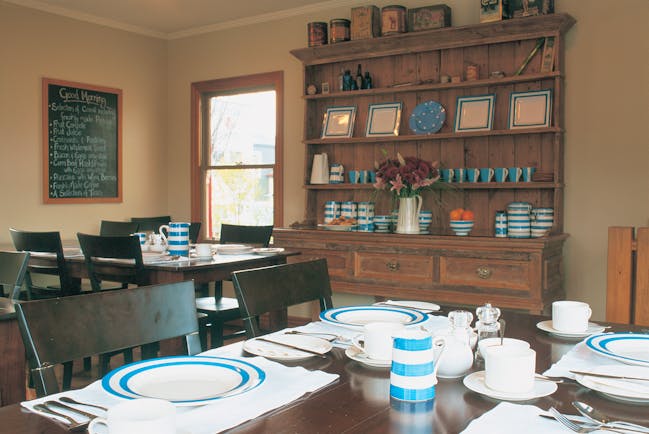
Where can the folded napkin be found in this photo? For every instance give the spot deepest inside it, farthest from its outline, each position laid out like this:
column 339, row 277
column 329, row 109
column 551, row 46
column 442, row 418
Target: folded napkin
column 579, row 358
column 281, row 386
column 509, row 418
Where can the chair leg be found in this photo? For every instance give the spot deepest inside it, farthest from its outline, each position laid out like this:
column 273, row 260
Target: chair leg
column 128, row 355
column 67, row 376
column 216, row 334
column 87, row 364
column 203, row 324
column 104, row 364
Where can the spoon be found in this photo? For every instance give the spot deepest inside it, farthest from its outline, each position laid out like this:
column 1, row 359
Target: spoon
column 598, row 417
column 73, row 424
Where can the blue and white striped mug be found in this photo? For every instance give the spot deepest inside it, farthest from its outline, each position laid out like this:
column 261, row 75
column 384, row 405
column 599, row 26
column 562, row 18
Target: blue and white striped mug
column 177, row 238
column 415, row 358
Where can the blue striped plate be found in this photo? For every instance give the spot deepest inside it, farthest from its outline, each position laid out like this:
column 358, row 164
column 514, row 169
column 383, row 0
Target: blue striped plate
column 184, row 380
column 356, row 317
column 631, row 348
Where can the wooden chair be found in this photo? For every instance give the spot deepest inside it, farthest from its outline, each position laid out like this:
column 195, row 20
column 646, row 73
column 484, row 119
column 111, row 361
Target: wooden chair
column 44, row 242
column 104, row 322
column 113, row 228
column 273, row 289
column 13, row 268
column 221, row 309
column 151, row 223
column 194, row 231
column 627, row 280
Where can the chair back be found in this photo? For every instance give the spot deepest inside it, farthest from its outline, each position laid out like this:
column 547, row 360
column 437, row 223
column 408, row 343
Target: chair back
column 104, row 322
column 97, row 248
column 275, row 288
column 44, row 242
column 194, row 231
column 256, row 235
column 13, row 268
column 151, row 223
column 113, row 228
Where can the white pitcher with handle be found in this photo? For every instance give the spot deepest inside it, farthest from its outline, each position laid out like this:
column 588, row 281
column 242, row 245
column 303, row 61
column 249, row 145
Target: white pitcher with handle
column 177, row 238
column 320, row 169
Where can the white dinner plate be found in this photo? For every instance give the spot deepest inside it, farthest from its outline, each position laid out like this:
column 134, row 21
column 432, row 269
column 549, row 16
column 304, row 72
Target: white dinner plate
column 592, row 329
column 355, row 317
column 476, row 382
column 636, row 391
column 360, row 357
column 268, row 251
column 279, row 352
column 233, row 249
column 631, row 348
column 183, row 380
column 417, row 305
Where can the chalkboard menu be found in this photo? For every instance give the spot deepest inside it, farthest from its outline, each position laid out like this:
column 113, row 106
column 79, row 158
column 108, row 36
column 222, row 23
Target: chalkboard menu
column 81, row 143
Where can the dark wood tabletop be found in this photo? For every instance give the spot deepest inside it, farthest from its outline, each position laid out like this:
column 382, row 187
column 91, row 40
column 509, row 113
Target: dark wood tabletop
column 358, row 402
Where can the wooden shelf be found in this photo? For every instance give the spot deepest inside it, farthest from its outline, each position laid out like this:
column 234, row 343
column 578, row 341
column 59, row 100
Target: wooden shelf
column 451, row 186
column 437, row 86
column 427, row 137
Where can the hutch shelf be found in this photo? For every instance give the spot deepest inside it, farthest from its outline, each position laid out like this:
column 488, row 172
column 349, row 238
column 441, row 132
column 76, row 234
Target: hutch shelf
column 406, row 68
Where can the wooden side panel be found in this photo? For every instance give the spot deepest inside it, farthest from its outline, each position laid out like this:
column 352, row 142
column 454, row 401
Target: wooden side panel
column 619, row 274
column 641, row 301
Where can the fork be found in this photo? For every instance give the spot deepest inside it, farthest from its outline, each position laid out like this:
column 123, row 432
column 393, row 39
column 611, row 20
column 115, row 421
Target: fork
column 333, row 337
column 579, row 428
column 73, row 424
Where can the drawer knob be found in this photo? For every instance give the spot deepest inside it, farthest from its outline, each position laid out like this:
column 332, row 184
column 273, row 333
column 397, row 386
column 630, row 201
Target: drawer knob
column 392, row 266
column 483, row 272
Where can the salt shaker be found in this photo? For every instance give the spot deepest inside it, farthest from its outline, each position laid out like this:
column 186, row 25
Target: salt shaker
column 487, row 326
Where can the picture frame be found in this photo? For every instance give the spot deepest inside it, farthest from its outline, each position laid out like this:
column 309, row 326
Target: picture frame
column 475, row 113
column 531, row 109
column 338, row 122
column 383, row 119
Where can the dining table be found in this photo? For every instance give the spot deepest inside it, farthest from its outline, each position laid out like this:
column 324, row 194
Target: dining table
column 358, row 401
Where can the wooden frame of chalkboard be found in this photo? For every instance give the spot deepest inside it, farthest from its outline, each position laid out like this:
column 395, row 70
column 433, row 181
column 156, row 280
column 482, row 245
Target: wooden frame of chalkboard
column 82, row 143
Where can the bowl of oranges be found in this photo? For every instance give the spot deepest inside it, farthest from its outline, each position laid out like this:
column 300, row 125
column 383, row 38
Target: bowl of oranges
column 461, row 221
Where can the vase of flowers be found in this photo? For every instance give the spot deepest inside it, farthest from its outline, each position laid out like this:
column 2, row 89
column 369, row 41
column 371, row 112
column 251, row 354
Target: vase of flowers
column 406, row 178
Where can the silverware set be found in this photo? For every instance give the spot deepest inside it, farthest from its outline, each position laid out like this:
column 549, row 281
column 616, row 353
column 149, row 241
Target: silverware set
column 53, row 407
column 596, row 421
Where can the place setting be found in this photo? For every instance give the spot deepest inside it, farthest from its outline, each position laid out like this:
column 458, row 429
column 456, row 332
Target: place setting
column 570, row 320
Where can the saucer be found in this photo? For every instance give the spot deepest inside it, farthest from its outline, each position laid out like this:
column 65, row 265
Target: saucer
column 592, row 329
column 476, row 382
column 359, row 356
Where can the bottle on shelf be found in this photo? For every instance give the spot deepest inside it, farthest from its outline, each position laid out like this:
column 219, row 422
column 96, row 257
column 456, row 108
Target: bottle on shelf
column 348, row 80
column 367, row 83
column 341, row 80
column 359, row 78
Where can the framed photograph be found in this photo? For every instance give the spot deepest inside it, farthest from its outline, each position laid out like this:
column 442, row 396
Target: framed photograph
column 530, row 109
column 383, row 119
column 474, row 113
column 338, row 122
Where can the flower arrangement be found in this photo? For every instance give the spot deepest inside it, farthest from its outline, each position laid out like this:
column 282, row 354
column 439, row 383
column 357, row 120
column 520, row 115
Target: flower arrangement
column 406, row 177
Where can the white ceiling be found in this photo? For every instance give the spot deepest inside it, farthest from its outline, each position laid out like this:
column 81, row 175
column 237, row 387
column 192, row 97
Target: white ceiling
column 171, row 19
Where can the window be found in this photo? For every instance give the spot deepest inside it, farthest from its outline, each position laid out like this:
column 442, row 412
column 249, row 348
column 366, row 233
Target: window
column 237, row 151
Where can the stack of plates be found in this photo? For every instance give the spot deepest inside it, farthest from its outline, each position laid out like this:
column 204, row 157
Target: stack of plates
column 233, row 249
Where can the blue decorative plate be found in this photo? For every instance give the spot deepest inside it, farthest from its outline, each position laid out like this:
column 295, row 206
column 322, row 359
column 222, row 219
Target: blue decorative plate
column 427, row 118
column 355, row 317
column 183, row 380
column 631, row 348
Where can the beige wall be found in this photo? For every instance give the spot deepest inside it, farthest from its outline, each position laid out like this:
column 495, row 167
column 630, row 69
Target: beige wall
column 607, row 116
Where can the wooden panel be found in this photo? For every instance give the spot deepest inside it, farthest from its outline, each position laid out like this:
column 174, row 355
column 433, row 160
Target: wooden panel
column 496, row 273
column 12, row 363
column 393, row 267
column 619, row 275
column 641, row 302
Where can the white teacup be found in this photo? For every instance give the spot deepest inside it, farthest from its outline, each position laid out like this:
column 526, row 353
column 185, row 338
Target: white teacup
column 203, row 250
column 377, row 339
column 144, row 415
column 570, row 316
column 508, row 342
column 509, row 368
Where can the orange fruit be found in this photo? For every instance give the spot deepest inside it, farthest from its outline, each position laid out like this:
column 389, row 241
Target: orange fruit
column 467, row 215
column 456, row 214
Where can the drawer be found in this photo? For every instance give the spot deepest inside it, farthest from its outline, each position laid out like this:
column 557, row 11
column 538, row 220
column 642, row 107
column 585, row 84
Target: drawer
column 394, row 267
column 488, row 273
column 337, row 261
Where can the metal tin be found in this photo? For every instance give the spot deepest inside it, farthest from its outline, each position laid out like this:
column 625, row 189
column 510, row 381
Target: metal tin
column 393, row 20
column 317, row 34
column 339, row 29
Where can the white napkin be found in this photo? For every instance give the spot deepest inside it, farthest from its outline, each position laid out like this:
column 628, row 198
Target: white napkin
column 509, row 418
column 282, row 385
column 579, row 358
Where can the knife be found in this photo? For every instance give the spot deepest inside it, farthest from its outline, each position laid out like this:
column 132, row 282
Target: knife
column 619, row 377
column 295, row 347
